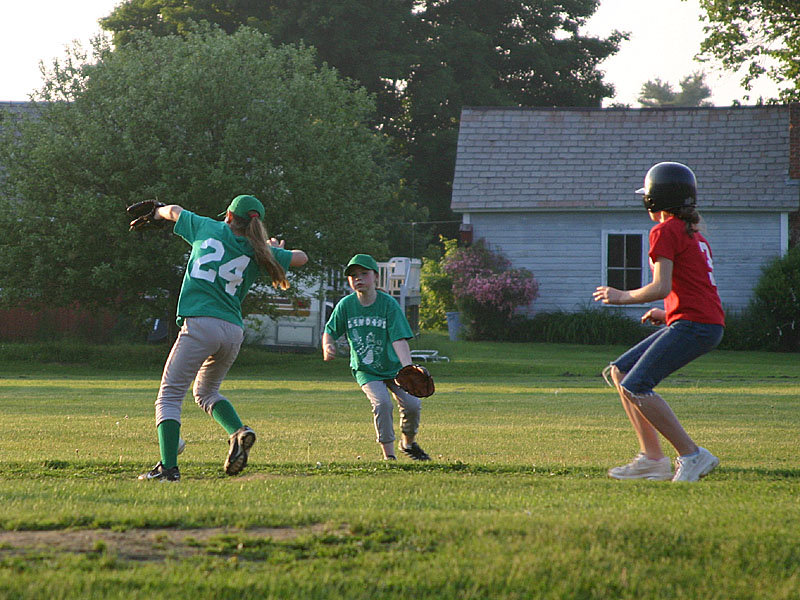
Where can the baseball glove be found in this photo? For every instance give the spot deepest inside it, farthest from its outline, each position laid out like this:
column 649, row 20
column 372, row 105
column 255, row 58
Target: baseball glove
column 416, row 380
column 144, row 214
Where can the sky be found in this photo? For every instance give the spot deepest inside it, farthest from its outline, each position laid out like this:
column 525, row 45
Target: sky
column 665, row 36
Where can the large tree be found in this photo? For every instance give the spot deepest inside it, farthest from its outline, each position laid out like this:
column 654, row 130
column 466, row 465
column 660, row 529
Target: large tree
column 369, row 41
column 422, row 59
column 193, row 120
column 760, row 36
column 494, row 52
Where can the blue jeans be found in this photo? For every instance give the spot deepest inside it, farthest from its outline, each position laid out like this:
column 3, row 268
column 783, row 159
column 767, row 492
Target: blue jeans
column 664, row 352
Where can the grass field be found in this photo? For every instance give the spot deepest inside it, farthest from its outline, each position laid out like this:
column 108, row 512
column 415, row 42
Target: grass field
column 516, row 503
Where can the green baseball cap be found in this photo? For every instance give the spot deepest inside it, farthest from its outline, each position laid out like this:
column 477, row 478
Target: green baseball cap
column 245, row 204
column 362, row 260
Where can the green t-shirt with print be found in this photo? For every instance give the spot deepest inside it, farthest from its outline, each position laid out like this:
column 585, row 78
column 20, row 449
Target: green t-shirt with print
column 220, row 270
column 370, row 331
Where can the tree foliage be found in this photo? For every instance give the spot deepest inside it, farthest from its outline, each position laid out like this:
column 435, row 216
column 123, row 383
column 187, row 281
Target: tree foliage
column 775, row 307
column 762, row 37
column 422, row 59
column 694, row 92
column 192, row 120
column 437, row 287
column 369, row 41
column 494, row 53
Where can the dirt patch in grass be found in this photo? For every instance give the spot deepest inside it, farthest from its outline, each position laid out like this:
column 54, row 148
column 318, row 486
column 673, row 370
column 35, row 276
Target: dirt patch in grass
column 141, row 544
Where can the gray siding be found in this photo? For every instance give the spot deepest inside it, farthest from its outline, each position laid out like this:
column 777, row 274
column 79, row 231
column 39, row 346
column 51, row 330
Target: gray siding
column 565, row 251
column 742, row 243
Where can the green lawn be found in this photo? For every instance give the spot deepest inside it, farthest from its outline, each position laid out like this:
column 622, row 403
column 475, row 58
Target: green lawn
column 516, row 503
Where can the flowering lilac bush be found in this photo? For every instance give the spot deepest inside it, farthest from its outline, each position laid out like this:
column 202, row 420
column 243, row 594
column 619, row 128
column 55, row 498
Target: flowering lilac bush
column 502, row 291
column 486, row 291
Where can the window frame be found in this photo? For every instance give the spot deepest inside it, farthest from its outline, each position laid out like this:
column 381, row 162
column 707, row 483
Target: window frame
column 647, row 274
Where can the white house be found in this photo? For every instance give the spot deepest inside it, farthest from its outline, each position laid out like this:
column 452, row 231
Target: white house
column 553, row 190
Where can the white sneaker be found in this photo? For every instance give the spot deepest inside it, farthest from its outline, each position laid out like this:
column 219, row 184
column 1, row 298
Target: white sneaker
column 692, row 468
column 642, row 467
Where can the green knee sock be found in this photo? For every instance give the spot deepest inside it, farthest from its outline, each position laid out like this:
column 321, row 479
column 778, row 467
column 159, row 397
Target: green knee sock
column 169, row 432
column 224, row 414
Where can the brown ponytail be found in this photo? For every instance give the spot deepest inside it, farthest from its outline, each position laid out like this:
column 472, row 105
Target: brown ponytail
column 690, row 216
column 255, row 232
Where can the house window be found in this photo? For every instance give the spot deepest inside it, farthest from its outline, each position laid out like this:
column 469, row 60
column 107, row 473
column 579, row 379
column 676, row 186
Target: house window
column 625, row 260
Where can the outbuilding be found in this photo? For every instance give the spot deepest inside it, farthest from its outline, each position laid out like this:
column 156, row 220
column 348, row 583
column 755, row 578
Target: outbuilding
column 553, row 189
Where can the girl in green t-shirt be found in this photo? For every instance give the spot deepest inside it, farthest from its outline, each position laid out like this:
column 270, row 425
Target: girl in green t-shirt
column 378, row 334
column 226, row 258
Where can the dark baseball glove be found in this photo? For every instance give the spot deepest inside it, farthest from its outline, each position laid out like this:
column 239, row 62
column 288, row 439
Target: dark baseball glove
column 144, row 215
column 416, row 380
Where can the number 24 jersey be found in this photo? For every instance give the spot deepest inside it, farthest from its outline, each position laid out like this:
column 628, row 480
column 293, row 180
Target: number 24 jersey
column 220, row 270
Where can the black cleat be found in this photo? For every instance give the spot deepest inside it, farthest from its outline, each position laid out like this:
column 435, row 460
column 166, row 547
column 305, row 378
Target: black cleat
column 239, row 444
column 159, row 473
column 415, row 452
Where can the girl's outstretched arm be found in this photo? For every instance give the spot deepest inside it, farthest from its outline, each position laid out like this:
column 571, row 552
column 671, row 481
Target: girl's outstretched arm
column 657, row 289
column 299, row 258
column 170, row 212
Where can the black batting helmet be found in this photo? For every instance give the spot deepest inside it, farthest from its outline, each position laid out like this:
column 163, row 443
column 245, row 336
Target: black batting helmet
column 667, row 186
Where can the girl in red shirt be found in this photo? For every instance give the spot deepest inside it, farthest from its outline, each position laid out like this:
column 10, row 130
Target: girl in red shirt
column 683, row 275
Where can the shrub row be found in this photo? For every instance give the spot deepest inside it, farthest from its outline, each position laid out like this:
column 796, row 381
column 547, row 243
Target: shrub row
column 587, row 326
column 743, row 331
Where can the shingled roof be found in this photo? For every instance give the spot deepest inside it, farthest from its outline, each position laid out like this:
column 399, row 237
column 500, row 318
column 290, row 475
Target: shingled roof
column 522, row 159
column 22, row 108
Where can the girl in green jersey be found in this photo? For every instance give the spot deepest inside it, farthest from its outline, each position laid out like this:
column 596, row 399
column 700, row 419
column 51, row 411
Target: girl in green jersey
column 226, row 258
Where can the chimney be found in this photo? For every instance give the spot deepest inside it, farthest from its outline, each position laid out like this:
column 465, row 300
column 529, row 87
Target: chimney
column 794, row 140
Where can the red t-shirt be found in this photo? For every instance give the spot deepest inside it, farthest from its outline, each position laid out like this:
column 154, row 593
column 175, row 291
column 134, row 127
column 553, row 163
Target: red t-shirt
column 694, row 294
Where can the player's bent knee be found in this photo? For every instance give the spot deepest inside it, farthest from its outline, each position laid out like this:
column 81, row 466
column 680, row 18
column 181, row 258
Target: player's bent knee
column 613, row 376
column 382, row 408
column 412, row 405
column 640, row 400
column 207, row 403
